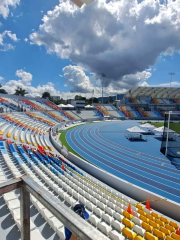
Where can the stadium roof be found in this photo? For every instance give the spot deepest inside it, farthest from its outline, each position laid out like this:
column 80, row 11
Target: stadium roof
column 154, row 92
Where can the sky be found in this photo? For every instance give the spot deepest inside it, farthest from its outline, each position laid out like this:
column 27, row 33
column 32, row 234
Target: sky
column 54, row 46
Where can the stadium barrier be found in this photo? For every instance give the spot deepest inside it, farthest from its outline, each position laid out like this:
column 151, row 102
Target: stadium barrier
column 70, row 219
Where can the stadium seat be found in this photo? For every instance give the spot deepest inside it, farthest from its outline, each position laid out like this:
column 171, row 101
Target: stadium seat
column 139, row 230
column 149, row 236
column 129, row 233
column 171, row 228
column 117, row 225
column 147, row 227
column 165, row 231
column 104, row 227
column 159, row 234
column 94, row 220
column 128, row 223
column 175, row 236
column 136, row 220
column 127, row 215
column 114, row 235
column 118, row 216
column 174, row 224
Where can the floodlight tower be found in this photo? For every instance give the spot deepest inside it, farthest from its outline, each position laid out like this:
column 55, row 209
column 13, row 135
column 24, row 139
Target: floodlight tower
column 103, row 75
column 171, row 74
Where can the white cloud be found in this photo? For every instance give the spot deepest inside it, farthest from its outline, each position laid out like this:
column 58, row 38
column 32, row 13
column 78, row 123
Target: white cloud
column 7, row 46
column 60, row 75
column 1, row 78
column 76, row 79
column 173, row 84
column 26, row 39
column 120, row 38
column 5, row 5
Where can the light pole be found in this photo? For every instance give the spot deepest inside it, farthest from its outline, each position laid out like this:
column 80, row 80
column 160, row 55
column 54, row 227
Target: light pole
column 171, row 74
column 167, row 136
column 103, row 75
column 92, row 96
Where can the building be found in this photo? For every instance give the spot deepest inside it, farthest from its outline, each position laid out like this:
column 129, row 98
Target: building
column 55, row 98
column 78, row 104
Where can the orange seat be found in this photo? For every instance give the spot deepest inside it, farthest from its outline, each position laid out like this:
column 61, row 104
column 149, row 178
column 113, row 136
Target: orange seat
column 127, row 215
column 159, row 222
column 139, row 238
column 165, row 231
column 171, row 228
column 174, row 224
column 147, row 227
column 150, row 236
column 129, row 233
column 163, row 219
column 158, row 233
column 175, row 236
column 169, row 238
column 155, row 215
column 128, row 223
column 150, row 217
column 140, row 207
column 141, row 212
column 143, row 218
column 153, row 224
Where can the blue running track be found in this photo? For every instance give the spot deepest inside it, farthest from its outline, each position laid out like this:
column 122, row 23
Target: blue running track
column 141, row 163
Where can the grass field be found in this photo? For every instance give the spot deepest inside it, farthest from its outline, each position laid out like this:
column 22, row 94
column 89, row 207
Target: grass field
column 173, row 126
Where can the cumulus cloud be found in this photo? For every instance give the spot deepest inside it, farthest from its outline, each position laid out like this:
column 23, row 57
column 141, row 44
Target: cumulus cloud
column 120, row 38
column 7, row 46
column 77, row 80
column 1, row 78
column 5, row 5
column 173, row 84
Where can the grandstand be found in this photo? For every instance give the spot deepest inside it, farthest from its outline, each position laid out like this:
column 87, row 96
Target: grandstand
column 27, row 146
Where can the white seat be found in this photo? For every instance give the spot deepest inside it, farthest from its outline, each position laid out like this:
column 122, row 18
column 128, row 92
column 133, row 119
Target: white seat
column 139, row 230
column 118, row 216
column 82, row 200
column 94, row 220
column 119, row 210
column 107, row 218
column 13, row 204
column 55, row 223
column 9, row 196
column 98, row 211
column 102, row 226
column 136, row 220
column 60, row 232
column 109, row 211
column 114, row 235
column 35, row 234
column 101, row 205
column 117, row 225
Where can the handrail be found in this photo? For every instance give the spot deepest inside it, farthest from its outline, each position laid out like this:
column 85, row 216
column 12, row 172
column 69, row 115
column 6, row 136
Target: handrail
column 71, row 220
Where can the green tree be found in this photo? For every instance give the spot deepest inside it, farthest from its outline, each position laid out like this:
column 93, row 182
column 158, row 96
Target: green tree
column 46, row 95
column 3, row 91
column 20, row 91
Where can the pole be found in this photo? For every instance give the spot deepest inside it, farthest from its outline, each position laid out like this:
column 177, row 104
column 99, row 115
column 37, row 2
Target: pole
column 171, row 74
column 167, row 133
column 103, row 75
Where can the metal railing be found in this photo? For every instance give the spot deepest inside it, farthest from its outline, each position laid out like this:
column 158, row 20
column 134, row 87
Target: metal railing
column 82, row 229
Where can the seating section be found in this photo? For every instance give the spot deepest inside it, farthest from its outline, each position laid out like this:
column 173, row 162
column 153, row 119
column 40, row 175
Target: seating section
column 107, row 208
column 103, row 110
column 126, row 111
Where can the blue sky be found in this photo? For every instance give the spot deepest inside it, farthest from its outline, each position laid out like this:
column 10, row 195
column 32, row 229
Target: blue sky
column 26, row 17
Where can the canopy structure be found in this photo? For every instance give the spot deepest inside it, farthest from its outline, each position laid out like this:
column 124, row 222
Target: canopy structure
column 89, row 106
column 61, row 105
column 69, row 106
column 162, row 129
column 80, row 3
column 147, row 125
column 135, row 130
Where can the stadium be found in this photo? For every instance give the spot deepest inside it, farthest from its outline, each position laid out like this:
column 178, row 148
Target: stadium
column 105, row 156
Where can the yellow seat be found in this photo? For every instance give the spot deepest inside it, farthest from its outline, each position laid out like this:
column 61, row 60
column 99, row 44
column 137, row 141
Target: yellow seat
column 128, row 223
column 35, row 144
column 143, row 218
column 150, row 236
column 158, row 233
column 175, row 236
column 139, row 207
column 142, row 212
column 8, row 134
column 174, row 224
column 127, row 215
column 155, row 215
column 22, row 141
column 150, row 217
column 163, row 219
column 129, row 233
column 15, row 138
column 165, row 231
column 1, row 132
column 169, row 238
column 159, row 222
column 169, row 227
column 139, row 238
column 153, row 224
column 147, row 227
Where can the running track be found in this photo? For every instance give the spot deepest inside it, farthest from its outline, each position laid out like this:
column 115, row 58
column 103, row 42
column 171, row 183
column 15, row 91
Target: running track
column 95, row 142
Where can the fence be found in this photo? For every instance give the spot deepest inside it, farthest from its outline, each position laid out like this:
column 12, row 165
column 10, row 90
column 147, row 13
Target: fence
column 71, row 220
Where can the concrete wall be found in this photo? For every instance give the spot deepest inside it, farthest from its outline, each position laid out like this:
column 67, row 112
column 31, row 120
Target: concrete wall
column 168, row 207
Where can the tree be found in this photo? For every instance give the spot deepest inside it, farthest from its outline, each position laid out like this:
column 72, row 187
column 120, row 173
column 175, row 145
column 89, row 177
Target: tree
column 111, row 99
column 20, row 91
column 0, row 85
column 3, row 91
column 46, row 95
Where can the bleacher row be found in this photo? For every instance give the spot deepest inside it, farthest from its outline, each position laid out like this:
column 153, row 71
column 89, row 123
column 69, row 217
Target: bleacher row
column 152, row 101
column 25, row 148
